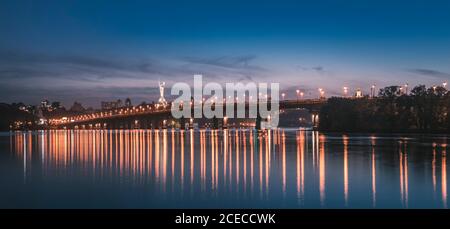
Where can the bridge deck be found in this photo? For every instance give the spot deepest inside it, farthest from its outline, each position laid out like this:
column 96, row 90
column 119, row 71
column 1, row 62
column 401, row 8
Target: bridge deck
column 157, row 109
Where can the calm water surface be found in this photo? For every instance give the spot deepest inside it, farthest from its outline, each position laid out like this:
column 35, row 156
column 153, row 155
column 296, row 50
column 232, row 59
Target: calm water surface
column 221, row 169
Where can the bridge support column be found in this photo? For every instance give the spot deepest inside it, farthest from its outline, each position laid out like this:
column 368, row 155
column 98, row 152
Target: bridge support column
column 258, row 122
column 191, row 123
column 164, row 124
column 225, row 123
column 315, row 120
column 144, row 124
column 182, row 123
column 215, row 123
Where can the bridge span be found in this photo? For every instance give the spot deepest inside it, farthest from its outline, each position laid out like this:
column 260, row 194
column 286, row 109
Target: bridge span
column 159, row 116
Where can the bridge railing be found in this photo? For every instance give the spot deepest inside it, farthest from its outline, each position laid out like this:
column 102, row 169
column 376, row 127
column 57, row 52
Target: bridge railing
column 120, row 112
column 157, row 108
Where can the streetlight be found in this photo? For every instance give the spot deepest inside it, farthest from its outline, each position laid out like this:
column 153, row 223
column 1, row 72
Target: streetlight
column 283, row 95
column 406, row 89
column 298, row 91
column 444, row 84
column 345, row 91
column 372, row 91
column 322, row 93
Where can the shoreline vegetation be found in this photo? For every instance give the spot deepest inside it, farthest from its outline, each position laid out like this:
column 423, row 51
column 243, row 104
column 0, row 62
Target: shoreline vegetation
column 394, row 110
column 10, row 113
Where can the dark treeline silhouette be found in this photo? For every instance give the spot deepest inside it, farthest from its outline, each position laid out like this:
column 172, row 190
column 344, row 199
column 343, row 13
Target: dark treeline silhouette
column 421, row 110
column 10, row 113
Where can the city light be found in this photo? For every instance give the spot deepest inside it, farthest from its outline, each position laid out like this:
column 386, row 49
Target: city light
column 322, row 93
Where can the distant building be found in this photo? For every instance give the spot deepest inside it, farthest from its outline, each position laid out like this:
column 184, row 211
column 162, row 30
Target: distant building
column 358, row 93
column 45, row 104
column 128, row 102
column 56, row 105
column 77, row 107
column 107, row 105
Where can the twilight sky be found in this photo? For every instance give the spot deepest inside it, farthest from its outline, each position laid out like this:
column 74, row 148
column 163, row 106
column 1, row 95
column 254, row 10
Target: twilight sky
column 94, row 50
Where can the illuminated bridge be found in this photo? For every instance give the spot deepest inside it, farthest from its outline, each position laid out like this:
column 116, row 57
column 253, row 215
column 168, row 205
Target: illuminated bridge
column 159, row 116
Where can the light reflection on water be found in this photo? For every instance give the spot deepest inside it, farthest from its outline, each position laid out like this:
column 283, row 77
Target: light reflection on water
column 221, row 169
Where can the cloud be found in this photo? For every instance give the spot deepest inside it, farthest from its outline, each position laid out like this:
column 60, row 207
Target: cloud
column 319, row 69
column 79, row 68
column 83, row 68
column 430, row 72
column 65, row 77
column 226, row 68
column 90, row 96
column 231, row 62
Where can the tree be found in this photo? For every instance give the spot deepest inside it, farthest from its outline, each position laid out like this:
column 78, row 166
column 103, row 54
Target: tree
column 389, row 92
column 56, row 105
column 424, row 109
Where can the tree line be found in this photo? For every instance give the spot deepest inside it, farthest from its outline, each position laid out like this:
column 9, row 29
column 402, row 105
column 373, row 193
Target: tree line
column 393, row 110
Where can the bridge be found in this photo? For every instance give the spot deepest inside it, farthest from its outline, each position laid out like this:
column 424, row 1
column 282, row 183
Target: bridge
column 159, row 116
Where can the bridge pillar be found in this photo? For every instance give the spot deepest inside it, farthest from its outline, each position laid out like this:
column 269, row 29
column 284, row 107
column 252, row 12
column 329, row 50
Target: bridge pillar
column 315, row 119
column 152, row 124
column 136, row 124
column 144, row 123
column 225, row 123
column 164, row 124
column 258, row 122
column 182, row 123
column 215, row 123
column 191, row 123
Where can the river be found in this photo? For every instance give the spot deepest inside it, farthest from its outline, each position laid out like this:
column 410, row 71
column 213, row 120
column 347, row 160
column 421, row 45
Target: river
column 283, row 168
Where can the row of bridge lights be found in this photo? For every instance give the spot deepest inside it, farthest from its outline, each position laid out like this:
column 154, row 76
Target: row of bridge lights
column 300, row 94
column 104, row 114
column 346, row 89
column 125, row 111
column 404, row 88
column 228, row 99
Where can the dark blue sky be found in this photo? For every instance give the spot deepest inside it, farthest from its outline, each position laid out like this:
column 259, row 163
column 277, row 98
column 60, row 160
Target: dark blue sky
column 99, row 50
